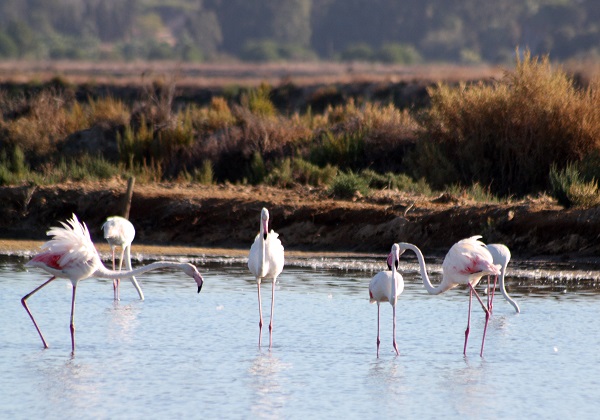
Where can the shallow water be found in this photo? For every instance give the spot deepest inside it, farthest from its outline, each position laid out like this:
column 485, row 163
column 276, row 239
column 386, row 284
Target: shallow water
column 179, row 353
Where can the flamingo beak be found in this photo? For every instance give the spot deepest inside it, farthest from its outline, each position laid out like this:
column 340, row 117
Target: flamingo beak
column 390, row 261
column 199, row 281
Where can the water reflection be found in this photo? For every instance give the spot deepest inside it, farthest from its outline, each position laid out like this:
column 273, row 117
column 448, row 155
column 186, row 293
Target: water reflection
column 125, row 320
column 466, row 388
column 268, row 395
column 68, row 384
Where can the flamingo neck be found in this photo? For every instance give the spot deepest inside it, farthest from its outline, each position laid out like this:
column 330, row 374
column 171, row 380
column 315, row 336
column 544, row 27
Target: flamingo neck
column 504, row 292
column 127, row 257
column 262, row 267
column 394, row 298
column 104, row 272
column 426, row 282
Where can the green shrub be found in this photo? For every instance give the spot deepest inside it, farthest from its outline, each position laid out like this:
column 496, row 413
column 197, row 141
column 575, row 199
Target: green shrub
column 258, row 101
column 584, row 194
column 348, row 184
column 258, row 171
column 281, row 175
column 357, row 52
column 305, row 172
column 392, row 181
column 345, row 150
column 398, row 53
column 205, row 174
column 571, row 190
column 475, row 192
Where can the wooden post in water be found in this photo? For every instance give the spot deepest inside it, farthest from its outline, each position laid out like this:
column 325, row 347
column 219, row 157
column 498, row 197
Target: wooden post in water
column 128, row 197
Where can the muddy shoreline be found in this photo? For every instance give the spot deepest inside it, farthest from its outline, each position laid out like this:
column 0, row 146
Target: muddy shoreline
column 307, row 219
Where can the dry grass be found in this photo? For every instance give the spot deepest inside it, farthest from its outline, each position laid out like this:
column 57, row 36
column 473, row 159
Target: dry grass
column 508, row 134
column 500, row 136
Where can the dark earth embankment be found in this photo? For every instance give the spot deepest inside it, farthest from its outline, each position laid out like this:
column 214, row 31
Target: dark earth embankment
column 306, row 218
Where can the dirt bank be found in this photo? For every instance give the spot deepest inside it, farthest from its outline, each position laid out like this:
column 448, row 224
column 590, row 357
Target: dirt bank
column 306, row 218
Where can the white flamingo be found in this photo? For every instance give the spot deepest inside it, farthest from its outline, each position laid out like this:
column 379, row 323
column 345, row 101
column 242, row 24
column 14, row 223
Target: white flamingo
column 501, row 256
column 386, row 286
column 265, row 261
column 119, row 232
column 466, row 263
column 71, row 254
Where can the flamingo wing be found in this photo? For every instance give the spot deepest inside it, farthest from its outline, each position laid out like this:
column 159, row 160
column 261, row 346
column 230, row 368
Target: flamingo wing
column 71, row 251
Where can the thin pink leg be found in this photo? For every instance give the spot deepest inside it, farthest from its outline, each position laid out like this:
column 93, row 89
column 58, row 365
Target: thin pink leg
column 468, row 320
column 260, row 320
column 72, row 324
column 272, row 309
column 378, row 341
column 487, row 317
column 394, row 333
column 488, row 292
column 491, row 306
column 24, row 303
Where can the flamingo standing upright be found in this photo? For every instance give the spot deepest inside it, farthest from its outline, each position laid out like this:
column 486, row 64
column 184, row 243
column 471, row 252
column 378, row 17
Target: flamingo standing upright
column 386, row 286
column 265, row 261
column 119, row 232
column 466, row 263
column 501, row 256
column 71, row 254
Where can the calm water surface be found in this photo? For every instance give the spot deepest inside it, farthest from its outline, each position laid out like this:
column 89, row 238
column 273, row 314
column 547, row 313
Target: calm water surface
column 180, row 354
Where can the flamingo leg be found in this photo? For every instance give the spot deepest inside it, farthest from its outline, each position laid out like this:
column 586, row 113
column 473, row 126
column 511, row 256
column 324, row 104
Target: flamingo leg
column 378, row 341
column 24, row 303
column 115, row 281
column 260, row 320
column 394, row 333
column 488, row 292
column 468, row 320
column 272, row 308
column 491, row 305
column 487, row 316
column 72, row 323
column 118, row 281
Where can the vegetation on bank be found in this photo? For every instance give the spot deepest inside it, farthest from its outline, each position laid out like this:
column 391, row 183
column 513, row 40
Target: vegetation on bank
column 532, row 132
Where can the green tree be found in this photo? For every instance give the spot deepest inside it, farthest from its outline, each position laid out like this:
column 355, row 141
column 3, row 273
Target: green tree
column 291, row 22
column 8, row 47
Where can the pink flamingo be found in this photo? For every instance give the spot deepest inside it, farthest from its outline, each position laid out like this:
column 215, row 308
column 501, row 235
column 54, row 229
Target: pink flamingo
column 119, row 232
column 386, row 286
column 265, row 261
column 466, row 263
column 71, row 254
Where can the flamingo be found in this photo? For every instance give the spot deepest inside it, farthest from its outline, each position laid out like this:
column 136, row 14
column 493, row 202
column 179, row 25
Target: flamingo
column 501, row 256
column 466, row 263
column 265, row 261
column 71, row 254
column 119, row 232
column 383, row 289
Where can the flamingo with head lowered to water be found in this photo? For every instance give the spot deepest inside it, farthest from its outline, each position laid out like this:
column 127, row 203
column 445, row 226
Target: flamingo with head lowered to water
column 466, row 263
column 71, row 254
column 119, row 232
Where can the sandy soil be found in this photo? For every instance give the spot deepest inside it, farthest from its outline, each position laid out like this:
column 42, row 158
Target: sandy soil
column 307, row 219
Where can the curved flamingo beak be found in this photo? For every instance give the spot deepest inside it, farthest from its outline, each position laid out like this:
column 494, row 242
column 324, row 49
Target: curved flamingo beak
column 199, row 281
column 390, row 261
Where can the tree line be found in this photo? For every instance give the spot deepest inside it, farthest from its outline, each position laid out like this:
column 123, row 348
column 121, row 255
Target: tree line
column 398, row 31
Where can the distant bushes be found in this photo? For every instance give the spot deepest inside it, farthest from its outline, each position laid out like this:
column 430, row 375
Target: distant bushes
column 530, row 132
column 508, row 134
